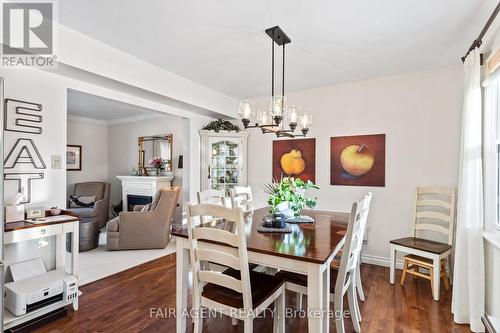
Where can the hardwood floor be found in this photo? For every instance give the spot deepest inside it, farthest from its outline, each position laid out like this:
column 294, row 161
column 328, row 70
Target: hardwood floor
column 123, row 302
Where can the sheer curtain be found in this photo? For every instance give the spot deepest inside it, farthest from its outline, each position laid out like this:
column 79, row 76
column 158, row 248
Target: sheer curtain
column 468, row 289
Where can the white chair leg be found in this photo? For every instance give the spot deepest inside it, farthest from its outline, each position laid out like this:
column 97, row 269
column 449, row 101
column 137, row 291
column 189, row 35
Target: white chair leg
column 299, row 301
column 248, row 325
column 198, row 319
column 359, row 286
column 436, row 276
column 358, row 311
column 351, row 297
column 339, row 317
column 234, row 321
column 279, row 314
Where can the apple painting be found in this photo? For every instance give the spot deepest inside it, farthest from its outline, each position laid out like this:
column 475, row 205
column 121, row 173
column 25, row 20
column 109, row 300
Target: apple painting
column 292, row 163
column 358, row 160
column 296, row 158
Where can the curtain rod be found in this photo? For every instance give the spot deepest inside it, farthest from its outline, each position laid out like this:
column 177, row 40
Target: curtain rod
column 479, row 40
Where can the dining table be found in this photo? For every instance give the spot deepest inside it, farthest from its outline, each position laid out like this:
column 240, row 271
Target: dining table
column 308, row 249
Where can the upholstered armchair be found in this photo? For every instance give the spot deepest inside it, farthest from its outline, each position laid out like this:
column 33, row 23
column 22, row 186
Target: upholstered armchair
column 100, row 210
column 147, row 227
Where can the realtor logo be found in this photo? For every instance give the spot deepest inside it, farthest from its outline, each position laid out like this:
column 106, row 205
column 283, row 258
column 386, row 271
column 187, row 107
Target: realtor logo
column 28, row 34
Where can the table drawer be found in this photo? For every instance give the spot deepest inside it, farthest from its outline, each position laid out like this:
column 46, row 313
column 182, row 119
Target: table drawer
column 32, row 233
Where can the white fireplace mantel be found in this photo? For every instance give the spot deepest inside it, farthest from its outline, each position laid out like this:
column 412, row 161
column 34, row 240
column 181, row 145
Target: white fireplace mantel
column 143, row 185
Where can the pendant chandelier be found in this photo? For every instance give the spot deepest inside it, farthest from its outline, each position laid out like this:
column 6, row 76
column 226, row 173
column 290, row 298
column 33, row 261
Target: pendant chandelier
column 279, row 114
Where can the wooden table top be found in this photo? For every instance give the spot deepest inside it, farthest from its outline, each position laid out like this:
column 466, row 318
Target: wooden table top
column 307, row 242
column 19, row 225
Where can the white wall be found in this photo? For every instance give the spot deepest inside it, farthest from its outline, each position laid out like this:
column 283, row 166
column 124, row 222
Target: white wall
column 420, row 115
column 93, row 137
column 122, row 147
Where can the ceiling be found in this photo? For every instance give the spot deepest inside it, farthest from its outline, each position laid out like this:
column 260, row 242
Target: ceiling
column 85, row 105
column 222, row 45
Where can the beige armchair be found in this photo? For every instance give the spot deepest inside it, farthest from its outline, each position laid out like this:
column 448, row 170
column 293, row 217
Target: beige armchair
column 149, row 229
column 101, row 191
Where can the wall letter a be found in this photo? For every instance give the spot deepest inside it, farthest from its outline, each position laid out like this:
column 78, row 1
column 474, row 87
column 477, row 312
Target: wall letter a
column 24, row 152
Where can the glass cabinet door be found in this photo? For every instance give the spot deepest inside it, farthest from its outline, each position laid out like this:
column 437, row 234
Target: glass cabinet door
column 224, row 164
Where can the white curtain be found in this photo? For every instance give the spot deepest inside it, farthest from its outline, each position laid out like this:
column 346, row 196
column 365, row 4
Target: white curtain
column 468, row 288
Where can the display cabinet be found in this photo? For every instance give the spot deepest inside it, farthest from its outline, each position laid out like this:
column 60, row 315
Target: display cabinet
column 223, row 159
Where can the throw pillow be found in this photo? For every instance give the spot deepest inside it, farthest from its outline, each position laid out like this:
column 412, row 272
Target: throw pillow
column 81, row 201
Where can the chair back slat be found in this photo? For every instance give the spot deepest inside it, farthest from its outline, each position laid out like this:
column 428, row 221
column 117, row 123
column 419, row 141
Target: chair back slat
column 434, row 215
column 201, row 237
column 435, row 211
column 438, row 203
column 216, row 235
column 220, row 279
column 432, row 227
column 220, row 257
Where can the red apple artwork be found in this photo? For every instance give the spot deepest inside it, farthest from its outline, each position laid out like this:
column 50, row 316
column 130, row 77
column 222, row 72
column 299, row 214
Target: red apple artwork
column 358, row 160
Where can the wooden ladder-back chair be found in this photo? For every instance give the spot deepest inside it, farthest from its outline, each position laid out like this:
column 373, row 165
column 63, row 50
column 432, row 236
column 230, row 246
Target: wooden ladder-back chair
column 434, row 213
column 237, row 292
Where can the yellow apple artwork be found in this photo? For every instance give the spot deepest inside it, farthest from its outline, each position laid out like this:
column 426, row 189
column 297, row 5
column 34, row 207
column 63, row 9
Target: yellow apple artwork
column 292, row 163
column 357, row 160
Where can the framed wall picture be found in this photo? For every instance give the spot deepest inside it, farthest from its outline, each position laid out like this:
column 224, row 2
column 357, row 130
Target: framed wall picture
column 294, row 158
column 357, row 160
column 73, row 157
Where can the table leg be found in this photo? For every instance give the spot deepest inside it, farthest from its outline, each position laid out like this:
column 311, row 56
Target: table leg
column 326, row 300
column 75, row 239
column 393, row 264
column 61, row 251
column 182, row 270
column 315, row 296
column 437, row 276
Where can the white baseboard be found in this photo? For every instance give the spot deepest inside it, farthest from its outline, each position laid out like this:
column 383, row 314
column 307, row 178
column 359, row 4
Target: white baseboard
column 380, row 261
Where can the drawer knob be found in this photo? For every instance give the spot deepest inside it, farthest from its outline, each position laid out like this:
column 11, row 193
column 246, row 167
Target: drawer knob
column 43, row 231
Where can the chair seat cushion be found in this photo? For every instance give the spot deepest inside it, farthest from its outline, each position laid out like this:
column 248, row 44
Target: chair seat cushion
column 113, row 225
column 301, row 279
column 84, row 212
column 422, row 244
column 262, row 286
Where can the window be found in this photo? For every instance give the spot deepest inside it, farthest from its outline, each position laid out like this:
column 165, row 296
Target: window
column 492, row 153
column 497, row 168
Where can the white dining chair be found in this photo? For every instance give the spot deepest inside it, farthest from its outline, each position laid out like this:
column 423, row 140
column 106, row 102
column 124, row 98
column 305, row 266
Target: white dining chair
column 214, row 197
column 237, row 292
column 241, row 196
column 343, row 280
column 359, row 285
column 336, row 262
column 210, row 196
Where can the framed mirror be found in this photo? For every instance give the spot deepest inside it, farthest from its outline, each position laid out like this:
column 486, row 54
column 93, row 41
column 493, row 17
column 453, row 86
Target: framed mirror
column 155, row 146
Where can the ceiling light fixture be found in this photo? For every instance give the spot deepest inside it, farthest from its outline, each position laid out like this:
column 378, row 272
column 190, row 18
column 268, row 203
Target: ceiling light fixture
column 273, row 119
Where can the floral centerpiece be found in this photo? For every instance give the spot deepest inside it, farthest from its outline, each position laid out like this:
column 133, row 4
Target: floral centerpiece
column 290, row 193
column 158, row 163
